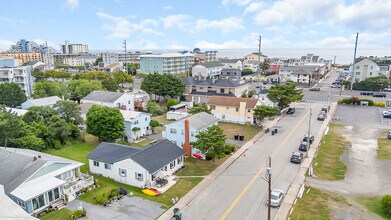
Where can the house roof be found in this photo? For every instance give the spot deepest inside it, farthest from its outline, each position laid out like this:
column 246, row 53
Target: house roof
column 232, row 101
column 110, row 66
column 84, row 107
column 310, row 68
column 131, row 114
column 256, row 53
column 19, row 112
column 31, row 63
column 229, row 60
column 103, row 96
column 51, row 100
column 212, row 93
column 200, row 120
column 211, row 64
column 152, row 158
column 226, row 70
column 14, row 211
column 230, row 83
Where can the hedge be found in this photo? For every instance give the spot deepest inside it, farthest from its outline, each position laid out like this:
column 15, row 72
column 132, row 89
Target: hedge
column 357, row 101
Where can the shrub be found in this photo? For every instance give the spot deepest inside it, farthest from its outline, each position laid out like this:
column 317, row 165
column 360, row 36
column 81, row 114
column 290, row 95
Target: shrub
column 171, row 102
column 370, row 101
column 209, row 156
column 386, row 205
column 78, row 214
column 227, row 150
column 101, row 199
column 114, row 192
column 380, row 104
column 155, row 109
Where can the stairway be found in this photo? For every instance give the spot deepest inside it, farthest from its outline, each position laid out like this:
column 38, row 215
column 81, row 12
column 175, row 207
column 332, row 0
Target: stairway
column 59, row 204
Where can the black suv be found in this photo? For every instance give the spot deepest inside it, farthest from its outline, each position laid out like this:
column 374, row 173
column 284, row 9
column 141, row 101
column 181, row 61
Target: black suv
column 297, row 157
column 291, row 110
column 306, row 138
column 366, row 93
column 304, row 146
column 383, row 95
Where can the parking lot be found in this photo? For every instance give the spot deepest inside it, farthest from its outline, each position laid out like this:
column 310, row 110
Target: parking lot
column 361, row 116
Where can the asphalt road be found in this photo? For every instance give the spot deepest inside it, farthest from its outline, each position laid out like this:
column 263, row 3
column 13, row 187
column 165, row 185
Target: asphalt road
column 240, row 192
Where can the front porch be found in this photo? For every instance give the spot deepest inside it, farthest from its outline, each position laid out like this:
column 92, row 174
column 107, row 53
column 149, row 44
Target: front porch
column 74, row 185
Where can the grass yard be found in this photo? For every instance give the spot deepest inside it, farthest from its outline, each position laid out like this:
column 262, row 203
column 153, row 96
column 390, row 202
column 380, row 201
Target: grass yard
column 142, row 143
column 314, row 205
column 329, row 165
column 230, row 129
column 384, row 151
column 162, row 119
column 196, row 167
column 62, row 214
column 373, row 204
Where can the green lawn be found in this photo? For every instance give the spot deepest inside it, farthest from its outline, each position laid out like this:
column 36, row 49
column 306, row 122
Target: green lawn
column 230, row 129
column 142, row 143
column 373, row 204
column 329, row 165
column 162, row 119
column 314, row 205
column 384, row 151
column 197, row 167
column 62, row 214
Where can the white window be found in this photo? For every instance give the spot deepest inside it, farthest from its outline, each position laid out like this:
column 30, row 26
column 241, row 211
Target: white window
column 172, row 130
column 237, row 109
column 357, row 67
column 357, row 73
column 107, row 166
column 139, row 176
column 146, row 119
column 96, row 163
column 192, row 133
column 249, row 110
column 182, row 132
column 371, row 67
column 212, row 107
column 179, row 160
column 227, row 108
column 172, row 164
column 223, row 116
column 122, row 172
column 136, row 122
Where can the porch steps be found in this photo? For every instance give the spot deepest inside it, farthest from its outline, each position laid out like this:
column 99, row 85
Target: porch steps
column 59, row 204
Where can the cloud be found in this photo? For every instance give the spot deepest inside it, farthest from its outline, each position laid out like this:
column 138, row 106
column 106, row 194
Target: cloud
column 5, row 44
column 73, row 3
column 121, row 28
column 254, row 7
column 232, row 44
column 226, row 25
column 176, row 46
column 179, row 20
column 149, row 45
column 168, row 7
column 236, row 2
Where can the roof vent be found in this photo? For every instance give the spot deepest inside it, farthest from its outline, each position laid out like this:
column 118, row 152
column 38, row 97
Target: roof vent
column 35, row 158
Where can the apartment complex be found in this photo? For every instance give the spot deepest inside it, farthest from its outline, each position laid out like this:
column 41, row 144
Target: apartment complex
column 171, row 63
column 130, row 57
column 202, row 57
column 23, row 57
column 24, row 46
column 68, row 48
column 10, row 71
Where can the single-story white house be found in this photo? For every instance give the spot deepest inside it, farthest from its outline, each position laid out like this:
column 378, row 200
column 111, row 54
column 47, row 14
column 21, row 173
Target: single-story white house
column 136, row 166
column 136, row 124
column 47, row 101
column 35, row 180
column 119, row 100
column 17, row 111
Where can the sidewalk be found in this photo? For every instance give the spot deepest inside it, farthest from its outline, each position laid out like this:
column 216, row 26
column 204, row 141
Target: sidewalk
column 184, row 201
column 290, row 197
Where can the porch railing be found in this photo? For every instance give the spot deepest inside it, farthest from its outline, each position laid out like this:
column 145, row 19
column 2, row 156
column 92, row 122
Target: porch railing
column 83, row 183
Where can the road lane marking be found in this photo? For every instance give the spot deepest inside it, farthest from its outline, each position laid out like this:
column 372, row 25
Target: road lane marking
column 241, row 194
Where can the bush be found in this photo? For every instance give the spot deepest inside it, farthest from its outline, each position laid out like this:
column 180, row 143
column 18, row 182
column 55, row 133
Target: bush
column 380, row 104
column 209, row 156
column 155, row 109
column 78, row 214
column 101, row 199
column 386, row 205
column 171, row 102
column 114, row 192
column 370, row 101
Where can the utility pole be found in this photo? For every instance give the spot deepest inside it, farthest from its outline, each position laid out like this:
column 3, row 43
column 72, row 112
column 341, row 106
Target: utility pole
column 354, row 63
column 328, row 99
column 259, row 56
column 309, row 131
column 269, row 180
column 126, row 56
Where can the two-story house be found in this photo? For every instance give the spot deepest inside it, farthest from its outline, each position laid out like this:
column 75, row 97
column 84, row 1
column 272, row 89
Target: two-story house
column 232, row 63
column 305, row 74
column 119, row 100
column 136, row 124
column 364, row 68
column 184, row 131
column 47, row 101
column 234, row 109
column 199, row 91
column 207, row 70
column 230, row 73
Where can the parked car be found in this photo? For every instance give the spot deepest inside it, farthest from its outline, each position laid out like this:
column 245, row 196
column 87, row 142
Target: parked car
column 276, row 197
column 336, row 83
column 335, row 86
column 324, row 109
column 387, row 89
column 389, row 135
column 366, row 93
column 386, row 115
column 312, row 138
column 317, row 89
column 383, row 95
column 297, row 157
column 304, row 146
column 321, row 117
column 291, row 110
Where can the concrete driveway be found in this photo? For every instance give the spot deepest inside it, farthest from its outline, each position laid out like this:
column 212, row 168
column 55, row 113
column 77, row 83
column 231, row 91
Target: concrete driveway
column 134, row 208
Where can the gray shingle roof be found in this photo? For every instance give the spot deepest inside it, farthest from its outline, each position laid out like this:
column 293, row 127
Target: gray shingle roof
column 229, row 60
column 103, row 96
column 15, row 168
column 152, row 157
column 211, row 64
column 212, row 93
column 200, row 120
column 111, row 153
column 218, row 83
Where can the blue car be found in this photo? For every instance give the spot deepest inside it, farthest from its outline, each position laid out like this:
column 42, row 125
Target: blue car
column 387, row 116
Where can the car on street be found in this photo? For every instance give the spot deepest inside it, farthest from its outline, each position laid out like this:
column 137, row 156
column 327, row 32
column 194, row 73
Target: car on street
column 383, row 95
column 304, row 146
column 366, row 93
column 321, row 117
column 387, row 112
column 311, row 138
column 276, row 197
column 324, row 109
column 291, row 110
column 297, row 157
column 387, row 89
column 389, row 135
column 335, row 86
column 317, row 89
column 386, row 115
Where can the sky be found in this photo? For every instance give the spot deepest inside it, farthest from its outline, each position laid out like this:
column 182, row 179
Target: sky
column 207, row 24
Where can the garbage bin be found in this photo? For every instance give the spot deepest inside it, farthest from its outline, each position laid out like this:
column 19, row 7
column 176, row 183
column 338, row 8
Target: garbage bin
column 275, row 130
column 267, row 130
column 241, row 138
column 177, row 214
column 236, row 136
column 272, row 132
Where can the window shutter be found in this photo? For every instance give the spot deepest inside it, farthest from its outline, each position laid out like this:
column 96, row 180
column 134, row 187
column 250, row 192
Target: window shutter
column 135, row 175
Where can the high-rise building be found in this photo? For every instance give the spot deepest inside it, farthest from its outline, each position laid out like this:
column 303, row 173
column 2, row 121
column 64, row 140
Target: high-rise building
column 171, row 63
column 10, row 71
column 25, row 46
column 68, row 48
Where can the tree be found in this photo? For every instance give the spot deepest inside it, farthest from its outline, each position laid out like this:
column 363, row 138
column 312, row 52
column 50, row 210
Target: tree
column 39, row 114
column 11, row 126
column 105, row 122
column 11, row 95
column 69, row 111
column 171, row 102
column 200, row 108
column 372, row 83
column 38, row 75
column 264, row 66
column 110, row 84
column 386, row 205
column 162, row 85
column 173, row 85
column 122, row 77
column 212, row 141
column 284, row 94
column 155, row 109
column 153, row 124
column 30, row 142
column 247, row 71
column 92, row 75
column 57, row 74
column 80, row 88
column 98, row 60
column 261, row 112
column 47, row 88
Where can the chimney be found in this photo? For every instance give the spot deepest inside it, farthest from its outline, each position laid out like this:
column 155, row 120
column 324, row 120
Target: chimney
column 186, row 146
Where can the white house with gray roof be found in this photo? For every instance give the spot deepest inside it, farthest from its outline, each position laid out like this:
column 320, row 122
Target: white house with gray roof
column 303, row 73
column 199, row 122
column 232, row 63
column 136, row 124
column 47, row 101
column 207, row 70
column 119, row 100
column 136, row 166
column 35, row 180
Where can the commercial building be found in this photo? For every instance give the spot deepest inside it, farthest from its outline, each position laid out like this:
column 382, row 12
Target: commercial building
column 23, row 57
column 68, row 48
column 10, row 71
column 171, row 63
column 74, row 59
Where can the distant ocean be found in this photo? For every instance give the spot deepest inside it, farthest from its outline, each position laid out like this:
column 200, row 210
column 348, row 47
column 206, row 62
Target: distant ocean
column 343, row 56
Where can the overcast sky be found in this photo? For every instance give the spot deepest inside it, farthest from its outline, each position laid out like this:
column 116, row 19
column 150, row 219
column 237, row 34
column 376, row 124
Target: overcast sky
column 208, row 24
